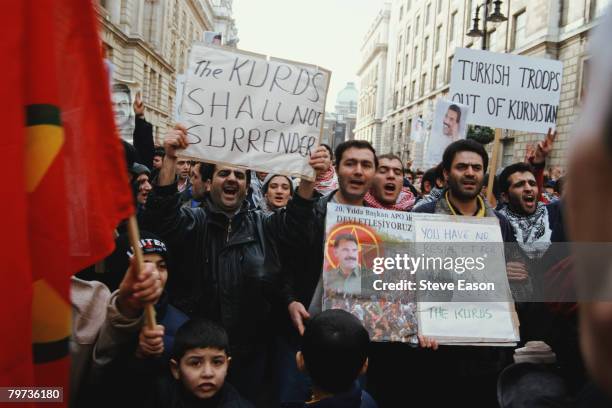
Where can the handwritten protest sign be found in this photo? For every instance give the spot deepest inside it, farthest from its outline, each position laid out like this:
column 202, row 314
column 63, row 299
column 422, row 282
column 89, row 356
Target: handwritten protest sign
column 507, row 91
column 246, row 110
column 465, row 318
column 404, row 274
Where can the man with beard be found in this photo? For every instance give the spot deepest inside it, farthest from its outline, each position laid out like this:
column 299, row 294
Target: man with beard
column 387, row 189
column 464, row 165
column 231, row 266
column 533, row 222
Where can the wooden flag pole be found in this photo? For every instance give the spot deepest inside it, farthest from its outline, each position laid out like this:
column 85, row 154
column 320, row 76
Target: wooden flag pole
column 134, row 235
column 493, row 167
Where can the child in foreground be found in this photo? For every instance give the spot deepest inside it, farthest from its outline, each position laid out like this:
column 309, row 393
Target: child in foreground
column 199, row 364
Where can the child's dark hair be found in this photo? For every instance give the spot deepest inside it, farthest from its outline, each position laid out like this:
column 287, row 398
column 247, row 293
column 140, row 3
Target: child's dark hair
column 199, row 333
column 335, row 347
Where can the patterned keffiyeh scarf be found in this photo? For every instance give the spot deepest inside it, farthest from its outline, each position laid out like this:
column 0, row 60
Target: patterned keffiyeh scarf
column 327, row 182
column 532, row 231
column 405, row 201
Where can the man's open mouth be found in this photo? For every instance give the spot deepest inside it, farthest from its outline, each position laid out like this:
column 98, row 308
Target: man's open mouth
column 389, row 187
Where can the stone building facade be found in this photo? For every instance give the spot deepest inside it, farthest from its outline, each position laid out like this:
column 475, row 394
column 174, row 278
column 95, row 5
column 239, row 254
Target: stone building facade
column 423, row 36
column 148, row 42
column 372, row 80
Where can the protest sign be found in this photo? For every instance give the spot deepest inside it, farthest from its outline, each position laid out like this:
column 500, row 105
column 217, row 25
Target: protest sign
column 246, row 110
column 417, row 130
column 122, row 97
column 449, row 125
column 507, row 91
column 465, row 318
column 404, row 274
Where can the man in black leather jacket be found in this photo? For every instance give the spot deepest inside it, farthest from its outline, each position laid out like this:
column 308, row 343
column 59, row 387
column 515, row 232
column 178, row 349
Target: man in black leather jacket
column 229, row 254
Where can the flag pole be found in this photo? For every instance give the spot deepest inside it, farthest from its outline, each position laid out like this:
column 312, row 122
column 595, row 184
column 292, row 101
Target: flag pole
column 134, row 235
column 493, row 166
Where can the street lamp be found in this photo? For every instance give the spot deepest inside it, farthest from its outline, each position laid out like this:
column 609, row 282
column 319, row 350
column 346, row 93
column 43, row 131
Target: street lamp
column 497, row 17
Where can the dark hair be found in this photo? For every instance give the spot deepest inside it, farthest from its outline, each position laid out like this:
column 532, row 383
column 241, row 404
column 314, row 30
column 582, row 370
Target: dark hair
column 357, row 144
column 559, row 185
column 345, row 237
column 159, row 151
column 268, row 180
column 199, row 333
column 329, row 149
column 504, row 176
column 207, row 171
column 464, row 145
column 391, row 156
column 457, row 110
column 335, row 348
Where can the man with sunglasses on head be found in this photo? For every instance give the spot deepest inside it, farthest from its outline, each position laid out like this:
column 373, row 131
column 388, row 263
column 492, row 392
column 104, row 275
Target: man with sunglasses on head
column 230, row 255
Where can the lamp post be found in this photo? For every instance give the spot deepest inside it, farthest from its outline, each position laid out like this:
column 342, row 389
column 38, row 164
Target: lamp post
column 496, row 17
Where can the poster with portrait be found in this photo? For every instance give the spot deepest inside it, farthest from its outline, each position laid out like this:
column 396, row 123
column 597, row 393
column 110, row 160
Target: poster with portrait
column 449, row 125
column 404, row 274
column 122, row 98
column 355, row 237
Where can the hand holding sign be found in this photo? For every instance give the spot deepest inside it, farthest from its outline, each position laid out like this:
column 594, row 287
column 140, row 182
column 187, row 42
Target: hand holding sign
column 175, row 139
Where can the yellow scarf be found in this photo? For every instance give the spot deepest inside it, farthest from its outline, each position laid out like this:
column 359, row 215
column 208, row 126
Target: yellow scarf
column 481, row 206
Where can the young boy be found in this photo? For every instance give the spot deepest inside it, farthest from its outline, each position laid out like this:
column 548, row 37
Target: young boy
column 199, row 365
column 334, row 353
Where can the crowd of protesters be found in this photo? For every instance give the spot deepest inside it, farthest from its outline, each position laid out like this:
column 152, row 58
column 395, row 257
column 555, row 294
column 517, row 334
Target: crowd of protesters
column 233, row 266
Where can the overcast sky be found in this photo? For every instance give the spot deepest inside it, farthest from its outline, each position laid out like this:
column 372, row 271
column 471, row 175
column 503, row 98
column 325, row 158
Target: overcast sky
column 327, row 33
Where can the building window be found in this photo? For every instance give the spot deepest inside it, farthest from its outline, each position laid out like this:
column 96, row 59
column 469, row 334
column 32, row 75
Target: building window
column 423, row 84
column 439, row 6
column 407, row 35
column 404, row 95
column 453, row 24
column 412, row 89
column 397, row 73
column 437, row 39
column 408, row 5
column 400, row 132
column 416, row 25
column 399, row 42
column 414, row 56
column 436, row 72
column 406, row 64
column 449, row 69
column 395, row 95
column 392, row 132
column 425, row 48
column 427, row 13
column 401, row 14
column 584, row 78
column 518, row 33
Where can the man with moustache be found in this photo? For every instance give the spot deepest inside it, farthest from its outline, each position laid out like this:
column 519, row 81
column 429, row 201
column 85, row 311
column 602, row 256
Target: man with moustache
column 451, row 121
column 230, row 255
column 388, row 191
column 346, row 278
column 464, row 165
column 356, row 164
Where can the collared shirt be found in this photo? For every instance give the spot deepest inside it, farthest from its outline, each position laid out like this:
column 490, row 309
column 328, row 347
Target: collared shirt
column 336, row 281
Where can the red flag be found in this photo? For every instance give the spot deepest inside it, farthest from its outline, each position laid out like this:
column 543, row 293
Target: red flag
column 67, row 178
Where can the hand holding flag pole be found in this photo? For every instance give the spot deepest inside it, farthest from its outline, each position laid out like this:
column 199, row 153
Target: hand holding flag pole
column 134, row 236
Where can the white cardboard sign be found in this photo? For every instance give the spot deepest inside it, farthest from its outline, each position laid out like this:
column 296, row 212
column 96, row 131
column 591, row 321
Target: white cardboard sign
column 246, row 110
column 507, row 91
